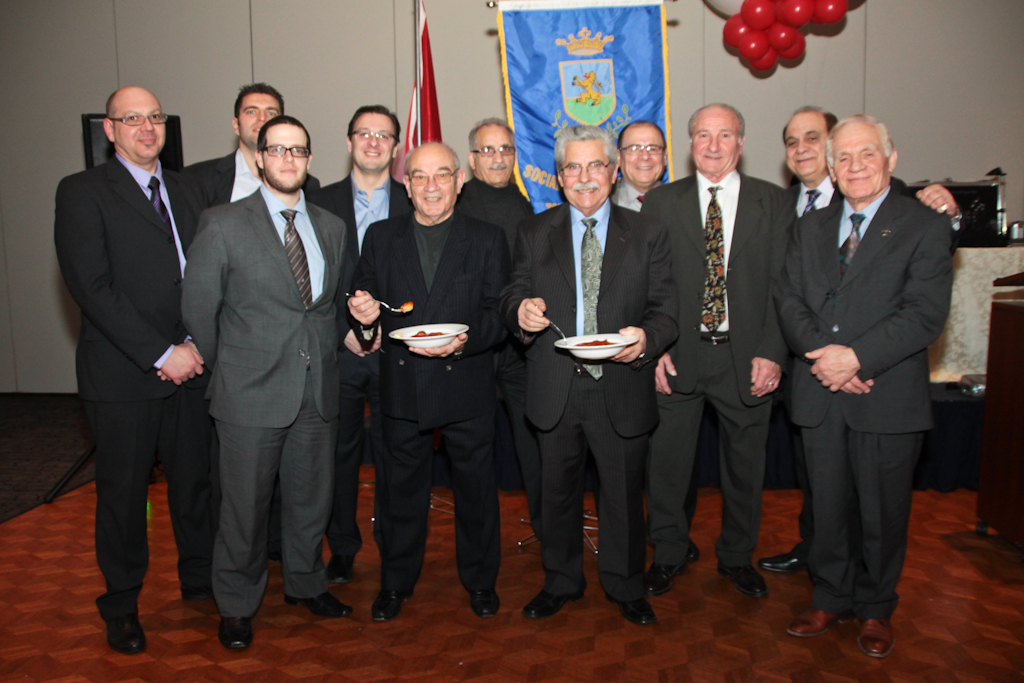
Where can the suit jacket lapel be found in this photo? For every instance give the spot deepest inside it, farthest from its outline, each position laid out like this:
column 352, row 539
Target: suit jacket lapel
column 263, row 225
column 748, row 219
column 125, row 186
column 689, row 206
column 184, row 213
column 225, row 181
column 616, row 244
column 326, row 249
column 876, row 239
column 450, row 265
column 407, row 256
column 828, row 242
column 560, row 236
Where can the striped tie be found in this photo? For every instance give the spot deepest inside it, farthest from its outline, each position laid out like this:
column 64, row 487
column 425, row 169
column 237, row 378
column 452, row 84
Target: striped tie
column 297, row 257
column 812, row 196
column 849, row 247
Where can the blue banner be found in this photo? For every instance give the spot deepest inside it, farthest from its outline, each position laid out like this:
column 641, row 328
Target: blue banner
column 565, row 64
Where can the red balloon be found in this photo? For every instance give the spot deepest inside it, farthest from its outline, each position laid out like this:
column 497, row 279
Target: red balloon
column 754, row 45
column 734, row 31
column 781, row 36
column 796, row 13
column 829, row 11
column 758, row 14
column 796, row 49
column 766, row 62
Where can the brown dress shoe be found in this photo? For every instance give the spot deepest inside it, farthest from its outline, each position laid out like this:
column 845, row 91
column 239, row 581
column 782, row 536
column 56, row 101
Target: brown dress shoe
column 876, row 639
column 814, row 622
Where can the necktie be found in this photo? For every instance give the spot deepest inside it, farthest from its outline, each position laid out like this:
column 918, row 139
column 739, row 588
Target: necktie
column 640, row 198
column 158, row 203
column 591, row 271
column 297, row 257
column 714, row 281
column 812, row 196
column 849, row 247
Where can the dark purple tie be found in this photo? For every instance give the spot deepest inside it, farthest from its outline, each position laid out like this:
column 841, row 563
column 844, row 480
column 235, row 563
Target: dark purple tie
column 158, row 203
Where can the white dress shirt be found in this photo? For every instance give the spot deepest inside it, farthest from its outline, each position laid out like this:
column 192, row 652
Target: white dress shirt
column 826, row 188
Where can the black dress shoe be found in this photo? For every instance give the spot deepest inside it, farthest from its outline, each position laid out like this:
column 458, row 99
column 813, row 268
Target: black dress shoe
column 323, row 605
column 388, row 604
column 196, row 593
column 693, row 554
column 339, row 569
column 658, row 579
column 484, row 603
column 235, row 633
column 125, row 634
column 787, row 563
column 746, row 579
column 636, row 611
column 547, row 604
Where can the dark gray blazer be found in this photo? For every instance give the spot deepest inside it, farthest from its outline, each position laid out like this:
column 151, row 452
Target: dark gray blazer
column 636, row 289
column 764, row 217
column 474, row 267
column 216, row 179
column 121, row 267
column 889, row 307
column 245, row 313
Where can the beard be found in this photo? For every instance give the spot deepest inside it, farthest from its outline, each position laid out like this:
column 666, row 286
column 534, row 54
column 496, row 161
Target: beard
column 280, row 184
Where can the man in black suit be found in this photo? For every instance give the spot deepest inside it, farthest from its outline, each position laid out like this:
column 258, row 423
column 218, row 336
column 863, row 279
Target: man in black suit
column 369, row 194
column 591, row 267
column 121, row 233
column 452, row 268
column 235, row 176
column 865, row 290
column 492, row 196
column 805, row 137
column 729, row 234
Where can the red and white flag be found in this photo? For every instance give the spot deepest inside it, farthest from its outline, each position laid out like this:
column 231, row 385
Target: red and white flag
column 424, row 124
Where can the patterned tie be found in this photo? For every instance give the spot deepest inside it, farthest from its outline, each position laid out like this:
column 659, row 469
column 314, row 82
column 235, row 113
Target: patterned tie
column 812, row 196
column 714, row 281
column 849, row 247
column 158, row 203
column 297, row 257
column 591, row 271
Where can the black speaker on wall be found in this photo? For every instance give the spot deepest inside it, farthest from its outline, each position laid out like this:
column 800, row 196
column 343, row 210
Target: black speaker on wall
column 99, row 150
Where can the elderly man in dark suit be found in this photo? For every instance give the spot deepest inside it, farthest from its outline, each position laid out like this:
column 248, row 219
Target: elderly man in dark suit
column 121, row 232
column 729, row 234
column 805, row 137
column 259, row 299
column 236, row 176
column 452, row 268
column 367, row 195
column 589, row 267
column 865, row 290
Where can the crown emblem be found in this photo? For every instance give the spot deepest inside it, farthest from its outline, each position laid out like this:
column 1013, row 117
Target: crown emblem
column 585, row 45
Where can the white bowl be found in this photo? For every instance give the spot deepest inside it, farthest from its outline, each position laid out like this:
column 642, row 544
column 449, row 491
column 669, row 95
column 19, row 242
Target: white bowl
column 618, row 342
column 449, row 330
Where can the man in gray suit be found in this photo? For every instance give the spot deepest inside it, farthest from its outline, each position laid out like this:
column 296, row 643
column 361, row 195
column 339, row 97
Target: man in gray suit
column 259, row 300
column 865, row 290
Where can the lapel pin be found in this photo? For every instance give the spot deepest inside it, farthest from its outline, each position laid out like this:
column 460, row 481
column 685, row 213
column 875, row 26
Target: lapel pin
column 886, row 232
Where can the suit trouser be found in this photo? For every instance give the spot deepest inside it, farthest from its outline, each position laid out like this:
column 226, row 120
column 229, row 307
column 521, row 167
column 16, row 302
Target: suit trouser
column 862, row 484
column 802, row 550
column 403, row 491
column 250, row 459
column 511, row 378
column 128, row 434
column 620, row 468
column 360, row 381
column 744, row 434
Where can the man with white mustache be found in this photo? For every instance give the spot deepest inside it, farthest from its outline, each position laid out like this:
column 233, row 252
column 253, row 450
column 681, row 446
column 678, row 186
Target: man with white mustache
column 643, row 154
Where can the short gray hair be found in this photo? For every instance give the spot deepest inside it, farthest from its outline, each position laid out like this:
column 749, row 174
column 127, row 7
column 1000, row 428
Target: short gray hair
column 583, row 134
column 720, row 105
column 880, row 128
column 443, row 144
column 493, row 121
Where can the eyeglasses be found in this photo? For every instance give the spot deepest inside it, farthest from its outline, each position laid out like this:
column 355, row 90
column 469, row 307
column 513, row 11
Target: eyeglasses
column 279, row 151
column 373, row 135
column 139, row 119
column 442, row 178
column 504, row 150
column 593, row 168
column 640, row 149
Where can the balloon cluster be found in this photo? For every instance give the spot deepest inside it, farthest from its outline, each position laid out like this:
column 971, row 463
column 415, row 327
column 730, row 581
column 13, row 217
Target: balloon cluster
column 765, row 31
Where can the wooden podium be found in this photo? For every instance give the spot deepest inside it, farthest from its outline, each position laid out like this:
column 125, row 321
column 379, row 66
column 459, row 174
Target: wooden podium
column 1001, row 474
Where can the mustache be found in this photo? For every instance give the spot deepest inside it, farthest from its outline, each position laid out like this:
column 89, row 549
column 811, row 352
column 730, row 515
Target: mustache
column 497, row 167
column 585, row 187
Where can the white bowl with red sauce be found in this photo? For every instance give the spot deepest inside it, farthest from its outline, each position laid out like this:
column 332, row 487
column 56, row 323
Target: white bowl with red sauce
column 428, row 336
column 596, row 346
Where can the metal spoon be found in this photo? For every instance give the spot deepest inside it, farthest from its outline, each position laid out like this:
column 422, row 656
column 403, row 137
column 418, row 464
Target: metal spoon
column 552, row 324
column 388, row 306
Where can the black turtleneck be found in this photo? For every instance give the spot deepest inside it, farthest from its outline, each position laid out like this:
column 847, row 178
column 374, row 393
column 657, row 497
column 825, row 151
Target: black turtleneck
column 430, row 241
column 502, row 206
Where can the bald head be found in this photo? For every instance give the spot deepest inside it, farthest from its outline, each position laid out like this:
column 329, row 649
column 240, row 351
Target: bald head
column 433, row 180
column 139, row 145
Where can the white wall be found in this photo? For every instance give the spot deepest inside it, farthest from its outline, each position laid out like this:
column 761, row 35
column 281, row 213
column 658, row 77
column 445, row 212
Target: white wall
column 946, row 75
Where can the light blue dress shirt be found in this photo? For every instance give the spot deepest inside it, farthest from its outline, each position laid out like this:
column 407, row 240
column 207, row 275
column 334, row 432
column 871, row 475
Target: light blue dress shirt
column 578, row 230
column 303, row 226
column 369, row 211
column 846, row 225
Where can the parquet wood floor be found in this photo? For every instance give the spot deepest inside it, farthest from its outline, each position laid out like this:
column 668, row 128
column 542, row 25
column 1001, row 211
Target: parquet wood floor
column 961, row 617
